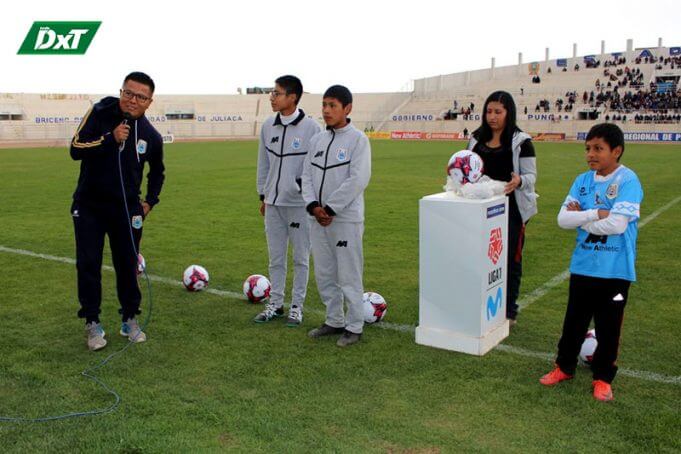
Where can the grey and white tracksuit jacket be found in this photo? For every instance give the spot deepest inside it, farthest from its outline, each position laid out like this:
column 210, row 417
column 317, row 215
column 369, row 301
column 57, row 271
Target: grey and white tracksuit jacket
column 283, row 145
column 337, row 170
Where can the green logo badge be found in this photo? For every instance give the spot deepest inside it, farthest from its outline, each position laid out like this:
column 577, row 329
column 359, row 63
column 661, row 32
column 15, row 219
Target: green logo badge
column 59, row 38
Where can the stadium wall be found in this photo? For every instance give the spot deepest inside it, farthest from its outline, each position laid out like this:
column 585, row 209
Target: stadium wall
column 51, row 119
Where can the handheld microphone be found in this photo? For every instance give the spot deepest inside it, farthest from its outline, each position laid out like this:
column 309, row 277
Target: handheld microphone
column 126, row 116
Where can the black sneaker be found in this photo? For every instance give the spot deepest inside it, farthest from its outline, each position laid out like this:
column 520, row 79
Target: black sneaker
column 269, row 313
column 325, row 330
column 348, row 338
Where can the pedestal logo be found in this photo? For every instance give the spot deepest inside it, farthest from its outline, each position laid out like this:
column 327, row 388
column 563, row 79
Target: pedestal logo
column 496, row 245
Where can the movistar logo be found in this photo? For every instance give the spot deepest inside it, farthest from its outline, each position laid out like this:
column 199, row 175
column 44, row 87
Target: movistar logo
column 493, row 305
column 54, row 38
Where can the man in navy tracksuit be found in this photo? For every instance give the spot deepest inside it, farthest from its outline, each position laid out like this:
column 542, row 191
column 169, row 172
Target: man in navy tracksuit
column 113, row 142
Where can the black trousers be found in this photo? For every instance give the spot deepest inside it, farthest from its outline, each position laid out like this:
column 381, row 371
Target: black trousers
column 604, row 301
column 92, row 222
column 514, row 264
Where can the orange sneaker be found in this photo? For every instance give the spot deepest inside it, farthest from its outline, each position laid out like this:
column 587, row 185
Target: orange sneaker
column 602, row 390
column 554, row 377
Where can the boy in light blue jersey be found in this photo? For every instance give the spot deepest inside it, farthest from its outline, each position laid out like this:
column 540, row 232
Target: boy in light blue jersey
column 603, row 205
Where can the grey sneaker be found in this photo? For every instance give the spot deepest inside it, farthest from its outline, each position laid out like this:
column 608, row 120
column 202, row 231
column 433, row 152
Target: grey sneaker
column 348, row 338
column 95, row 336
column 270, row 313
column 131, row 329
column 295, row 317
column 324, row 330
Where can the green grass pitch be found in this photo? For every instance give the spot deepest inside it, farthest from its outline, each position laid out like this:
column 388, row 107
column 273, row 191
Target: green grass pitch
column 209, row 379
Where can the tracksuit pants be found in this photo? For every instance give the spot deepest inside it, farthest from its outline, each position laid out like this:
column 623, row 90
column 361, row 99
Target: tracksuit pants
column 284, row 224
column 604, row 300
column 514, row 270
column 92, row 221
column 338, row 266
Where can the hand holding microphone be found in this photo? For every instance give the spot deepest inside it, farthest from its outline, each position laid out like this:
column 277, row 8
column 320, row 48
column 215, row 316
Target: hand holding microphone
column 122, row 131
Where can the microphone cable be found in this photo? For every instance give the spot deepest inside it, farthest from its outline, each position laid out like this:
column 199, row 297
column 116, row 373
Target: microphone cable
column 90, row 371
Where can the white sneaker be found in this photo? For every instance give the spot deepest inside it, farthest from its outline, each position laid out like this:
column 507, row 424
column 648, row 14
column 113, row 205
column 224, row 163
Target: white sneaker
column 131, row 329
column 95, row 336
column 295, row 317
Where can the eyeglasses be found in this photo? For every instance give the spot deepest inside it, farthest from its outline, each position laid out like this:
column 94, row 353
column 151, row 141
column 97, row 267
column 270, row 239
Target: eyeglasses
column 127, row 94
column 276, row 94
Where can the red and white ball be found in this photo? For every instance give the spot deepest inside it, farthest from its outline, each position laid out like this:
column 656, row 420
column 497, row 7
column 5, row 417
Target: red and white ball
column 195, row 278
column 374, row 307
column 257, row 288
column 586, row 353
column 465, row 166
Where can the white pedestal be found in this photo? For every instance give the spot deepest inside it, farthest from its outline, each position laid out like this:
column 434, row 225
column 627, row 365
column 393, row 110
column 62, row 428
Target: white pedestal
column 462, row 273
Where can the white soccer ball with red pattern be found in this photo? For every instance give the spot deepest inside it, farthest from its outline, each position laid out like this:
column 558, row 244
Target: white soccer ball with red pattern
column 195, row 278
column 465, row 166
column 141, row 264
column 257, row 288
column 586, row 353
column 374, row 307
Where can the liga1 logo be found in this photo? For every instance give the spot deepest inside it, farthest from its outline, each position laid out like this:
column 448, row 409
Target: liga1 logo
column 496, row 245
column 59, row 38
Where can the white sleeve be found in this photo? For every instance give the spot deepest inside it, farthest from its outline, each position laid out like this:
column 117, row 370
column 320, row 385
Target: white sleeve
column 263, row 163
column 307, row 186
column 614, row 224
column 528, row 172
column 573, row 219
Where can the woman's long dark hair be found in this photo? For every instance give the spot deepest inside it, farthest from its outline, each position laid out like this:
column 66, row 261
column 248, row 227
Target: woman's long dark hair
column 484, row 133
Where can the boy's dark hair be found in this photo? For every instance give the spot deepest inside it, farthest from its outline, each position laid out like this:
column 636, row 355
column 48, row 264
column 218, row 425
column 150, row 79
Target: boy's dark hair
column 340, row 93
column 610, row 133
column 484, row 133
column 292, row 85
column 141, row 78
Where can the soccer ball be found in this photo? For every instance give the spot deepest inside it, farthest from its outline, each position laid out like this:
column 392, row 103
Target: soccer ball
column 374, row 307
column 141, row 264
column 586, row 353
column 464, row 167
column 195, row 278
column 257, row 288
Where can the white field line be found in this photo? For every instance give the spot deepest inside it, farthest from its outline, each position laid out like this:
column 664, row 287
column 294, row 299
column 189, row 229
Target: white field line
column 556, row 280
column 548, row 357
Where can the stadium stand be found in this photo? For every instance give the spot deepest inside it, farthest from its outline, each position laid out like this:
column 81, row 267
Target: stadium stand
column 638, row 88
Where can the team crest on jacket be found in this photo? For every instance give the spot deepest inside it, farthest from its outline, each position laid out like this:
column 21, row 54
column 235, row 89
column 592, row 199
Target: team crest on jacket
column 598, row 200
column 141, row 146
column 342, row 154
column 297, row 142
column 137, row 222
column 611, row 192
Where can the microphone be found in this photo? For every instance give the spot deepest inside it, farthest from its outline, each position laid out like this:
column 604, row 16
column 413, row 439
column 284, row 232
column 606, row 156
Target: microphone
column 126, row 116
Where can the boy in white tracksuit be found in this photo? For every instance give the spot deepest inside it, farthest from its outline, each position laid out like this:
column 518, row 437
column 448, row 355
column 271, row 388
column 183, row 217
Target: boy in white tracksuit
column 284, row 140
column 337, row 169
